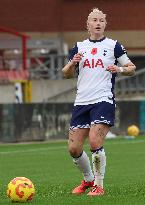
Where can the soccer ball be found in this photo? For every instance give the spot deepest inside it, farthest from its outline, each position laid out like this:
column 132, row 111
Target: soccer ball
column 20, row 189
column 133, row 130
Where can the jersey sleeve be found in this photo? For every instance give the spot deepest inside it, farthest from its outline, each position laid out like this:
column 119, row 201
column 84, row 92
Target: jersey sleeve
column 73, row 52
column 119, row 50
column 121, row 54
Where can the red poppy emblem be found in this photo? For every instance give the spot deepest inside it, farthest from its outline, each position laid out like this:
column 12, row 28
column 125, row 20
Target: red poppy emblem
column 94, row 51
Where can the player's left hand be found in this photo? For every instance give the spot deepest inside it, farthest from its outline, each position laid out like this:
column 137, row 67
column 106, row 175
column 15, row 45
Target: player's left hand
column 113, row 69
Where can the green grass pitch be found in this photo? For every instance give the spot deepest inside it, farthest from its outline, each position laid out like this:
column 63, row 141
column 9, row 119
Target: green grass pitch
column 50, row 168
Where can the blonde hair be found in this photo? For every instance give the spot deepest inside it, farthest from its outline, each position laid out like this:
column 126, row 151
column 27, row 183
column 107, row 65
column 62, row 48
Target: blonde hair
column 96, row 11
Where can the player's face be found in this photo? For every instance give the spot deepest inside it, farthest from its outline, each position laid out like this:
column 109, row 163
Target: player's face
column 96, row 24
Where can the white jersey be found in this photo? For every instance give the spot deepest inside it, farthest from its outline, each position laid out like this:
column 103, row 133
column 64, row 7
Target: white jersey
column 95, row 84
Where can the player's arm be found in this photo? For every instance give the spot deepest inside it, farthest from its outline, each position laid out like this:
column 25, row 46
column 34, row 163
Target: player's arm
column 70, row 68
column 127, row 70
column 127, row 67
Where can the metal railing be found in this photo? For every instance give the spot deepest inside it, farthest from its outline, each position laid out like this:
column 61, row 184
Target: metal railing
column 47, row 67
column 131, row 85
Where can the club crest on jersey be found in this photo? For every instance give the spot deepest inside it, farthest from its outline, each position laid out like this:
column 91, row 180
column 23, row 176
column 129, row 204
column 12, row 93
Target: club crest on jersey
column 105, row 52
column 93, row 63
column 94, row 51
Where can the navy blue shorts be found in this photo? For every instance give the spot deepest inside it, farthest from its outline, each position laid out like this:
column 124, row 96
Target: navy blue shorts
column 83, row 116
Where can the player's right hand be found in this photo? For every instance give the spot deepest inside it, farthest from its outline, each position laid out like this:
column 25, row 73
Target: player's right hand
column 77, row 58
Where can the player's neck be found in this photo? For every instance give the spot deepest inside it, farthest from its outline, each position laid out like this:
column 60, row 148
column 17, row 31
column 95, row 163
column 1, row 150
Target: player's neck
column 97, row 37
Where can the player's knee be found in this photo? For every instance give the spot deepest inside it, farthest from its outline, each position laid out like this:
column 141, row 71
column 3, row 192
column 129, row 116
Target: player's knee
column 95, row 143
column 74, row 151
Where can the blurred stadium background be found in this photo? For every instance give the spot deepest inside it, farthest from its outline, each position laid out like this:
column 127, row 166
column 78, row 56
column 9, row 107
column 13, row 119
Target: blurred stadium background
column 35, row 40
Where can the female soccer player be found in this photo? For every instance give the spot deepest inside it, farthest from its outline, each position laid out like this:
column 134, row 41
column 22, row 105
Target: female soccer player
column 99, row 59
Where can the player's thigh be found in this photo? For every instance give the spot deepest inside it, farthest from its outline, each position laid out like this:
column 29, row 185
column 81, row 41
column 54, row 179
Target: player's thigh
column 77, row 138
column 97, row 135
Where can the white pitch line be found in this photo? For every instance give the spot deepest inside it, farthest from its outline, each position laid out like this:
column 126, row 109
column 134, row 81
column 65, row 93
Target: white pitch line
column 33, row 150
column 65, row 147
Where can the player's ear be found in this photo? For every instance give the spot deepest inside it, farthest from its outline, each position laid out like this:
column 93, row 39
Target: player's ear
column 87, row 25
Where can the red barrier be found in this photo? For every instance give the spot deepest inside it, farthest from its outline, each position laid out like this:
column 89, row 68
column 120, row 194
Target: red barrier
column 13, row 75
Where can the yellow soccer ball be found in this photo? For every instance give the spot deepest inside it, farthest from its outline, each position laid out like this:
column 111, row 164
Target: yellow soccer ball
column 133, row 130
column 20, row 189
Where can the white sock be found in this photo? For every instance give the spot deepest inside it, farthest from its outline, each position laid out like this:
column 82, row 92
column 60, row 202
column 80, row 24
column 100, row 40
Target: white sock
column 83, row 164
column 99, row 163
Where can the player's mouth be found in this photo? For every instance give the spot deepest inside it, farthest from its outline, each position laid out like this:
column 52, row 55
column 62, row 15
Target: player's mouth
column 98, row 28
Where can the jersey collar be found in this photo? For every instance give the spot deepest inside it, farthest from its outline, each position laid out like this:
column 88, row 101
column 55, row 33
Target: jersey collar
column 94, row 41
